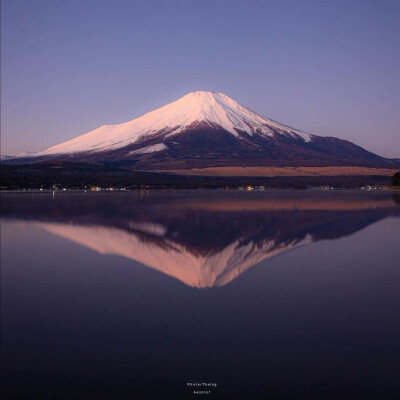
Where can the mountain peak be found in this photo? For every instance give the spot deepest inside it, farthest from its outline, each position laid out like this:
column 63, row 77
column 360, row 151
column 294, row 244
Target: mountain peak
column 201, row 93
column 204, row 129
column 213, row 108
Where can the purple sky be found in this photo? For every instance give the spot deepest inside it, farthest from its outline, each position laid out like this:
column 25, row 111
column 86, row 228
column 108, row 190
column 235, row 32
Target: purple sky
column 331, row 68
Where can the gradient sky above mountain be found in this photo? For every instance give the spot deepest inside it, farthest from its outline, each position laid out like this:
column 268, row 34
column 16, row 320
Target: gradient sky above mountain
column 326, row 67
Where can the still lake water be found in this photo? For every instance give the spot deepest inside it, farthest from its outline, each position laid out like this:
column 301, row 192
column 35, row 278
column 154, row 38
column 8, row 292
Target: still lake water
column 133, row 295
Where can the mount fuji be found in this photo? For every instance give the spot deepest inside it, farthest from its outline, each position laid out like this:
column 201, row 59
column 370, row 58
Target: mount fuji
column 206, row 129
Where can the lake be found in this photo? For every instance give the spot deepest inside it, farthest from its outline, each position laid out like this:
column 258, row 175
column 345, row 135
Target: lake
column 229, row 294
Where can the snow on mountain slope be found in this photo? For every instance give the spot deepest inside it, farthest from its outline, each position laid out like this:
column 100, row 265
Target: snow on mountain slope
column 196, row 107
column 150, row 149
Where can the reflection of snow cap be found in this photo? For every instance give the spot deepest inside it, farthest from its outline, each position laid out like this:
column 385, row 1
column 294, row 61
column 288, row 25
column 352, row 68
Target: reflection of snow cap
column 171, row 258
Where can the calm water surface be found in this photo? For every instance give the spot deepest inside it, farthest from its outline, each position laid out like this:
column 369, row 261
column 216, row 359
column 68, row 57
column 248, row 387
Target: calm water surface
column 132, row 295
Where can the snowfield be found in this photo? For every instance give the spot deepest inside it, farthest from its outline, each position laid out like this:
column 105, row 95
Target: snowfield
column 150, row 149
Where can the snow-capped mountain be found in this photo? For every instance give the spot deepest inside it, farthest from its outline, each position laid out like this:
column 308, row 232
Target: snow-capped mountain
column 207, row 129
column 213, row 108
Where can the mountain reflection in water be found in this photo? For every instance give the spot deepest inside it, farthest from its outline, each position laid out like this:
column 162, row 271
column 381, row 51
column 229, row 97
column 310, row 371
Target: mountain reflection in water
column 203, row 239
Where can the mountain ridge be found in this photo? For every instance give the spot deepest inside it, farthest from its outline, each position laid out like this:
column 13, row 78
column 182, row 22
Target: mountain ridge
column 203, row 129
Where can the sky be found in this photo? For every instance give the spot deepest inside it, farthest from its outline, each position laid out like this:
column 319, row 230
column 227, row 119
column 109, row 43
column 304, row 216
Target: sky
column 327, row 67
